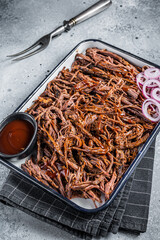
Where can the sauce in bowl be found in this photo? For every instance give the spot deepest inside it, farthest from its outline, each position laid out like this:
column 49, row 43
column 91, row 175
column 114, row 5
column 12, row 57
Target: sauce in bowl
column 16, row 136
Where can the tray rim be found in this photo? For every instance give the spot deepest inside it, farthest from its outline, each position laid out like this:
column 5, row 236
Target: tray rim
column 131, row 168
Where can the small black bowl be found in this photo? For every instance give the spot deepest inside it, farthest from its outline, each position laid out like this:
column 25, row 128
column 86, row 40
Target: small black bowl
column 29, row 149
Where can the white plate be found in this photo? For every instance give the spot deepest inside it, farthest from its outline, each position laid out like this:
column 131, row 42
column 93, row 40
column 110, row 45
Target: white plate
column 86, row 204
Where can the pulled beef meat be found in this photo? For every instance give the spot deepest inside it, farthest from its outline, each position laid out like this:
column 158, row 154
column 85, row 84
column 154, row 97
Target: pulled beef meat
column 89, row 126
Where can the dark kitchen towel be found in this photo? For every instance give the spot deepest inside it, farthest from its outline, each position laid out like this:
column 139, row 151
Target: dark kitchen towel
column 135, row 217
column 128, row 211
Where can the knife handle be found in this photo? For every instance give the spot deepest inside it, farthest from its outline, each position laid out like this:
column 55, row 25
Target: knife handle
column 88, row 13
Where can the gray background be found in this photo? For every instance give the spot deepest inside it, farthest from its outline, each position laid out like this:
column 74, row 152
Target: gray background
column 132, row 25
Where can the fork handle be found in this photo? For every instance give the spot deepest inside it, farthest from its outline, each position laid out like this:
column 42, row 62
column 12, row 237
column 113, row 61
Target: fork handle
column 88, row 13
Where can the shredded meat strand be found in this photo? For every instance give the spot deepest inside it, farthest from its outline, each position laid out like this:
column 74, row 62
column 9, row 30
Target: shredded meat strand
column 90, row 125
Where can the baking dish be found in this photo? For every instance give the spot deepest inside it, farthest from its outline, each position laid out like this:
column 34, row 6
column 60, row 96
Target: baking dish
column 85, row 205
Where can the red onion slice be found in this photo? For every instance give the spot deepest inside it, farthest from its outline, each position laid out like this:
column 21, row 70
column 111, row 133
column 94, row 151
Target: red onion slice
column 152, row 73
column 155, row 94
column 140, row 79
column 150, row 103
column 148, row 85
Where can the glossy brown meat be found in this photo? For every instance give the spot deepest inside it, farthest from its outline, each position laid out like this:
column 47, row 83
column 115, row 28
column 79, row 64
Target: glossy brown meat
column 90, row 125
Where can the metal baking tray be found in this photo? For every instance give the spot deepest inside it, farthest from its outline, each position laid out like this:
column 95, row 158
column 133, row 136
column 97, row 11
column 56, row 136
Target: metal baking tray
column 84, row 205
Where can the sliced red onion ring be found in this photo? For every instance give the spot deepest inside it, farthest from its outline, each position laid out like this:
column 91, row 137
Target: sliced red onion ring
column 148, row 103
column 155, row 83
column 140, row 79
column 151, row 83
column 155, row 94
column 152, row 73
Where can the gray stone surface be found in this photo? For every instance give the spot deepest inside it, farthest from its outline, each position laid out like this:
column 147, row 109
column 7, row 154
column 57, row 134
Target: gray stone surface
column 132, row 25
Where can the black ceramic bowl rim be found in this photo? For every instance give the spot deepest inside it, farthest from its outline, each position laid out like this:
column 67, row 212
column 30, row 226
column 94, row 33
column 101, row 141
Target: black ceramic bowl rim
column 16, row 116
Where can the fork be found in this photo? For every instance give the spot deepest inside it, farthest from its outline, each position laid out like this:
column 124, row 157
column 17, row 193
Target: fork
column 43, row 42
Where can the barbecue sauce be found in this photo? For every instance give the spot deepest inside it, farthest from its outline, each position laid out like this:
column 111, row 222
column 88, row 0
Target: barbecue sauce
column 62, row 170
column 15, row 136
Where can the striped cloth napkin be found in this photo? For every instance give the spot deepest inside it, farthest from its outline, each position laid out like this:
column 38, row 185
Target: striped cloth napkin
column 128, row 211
